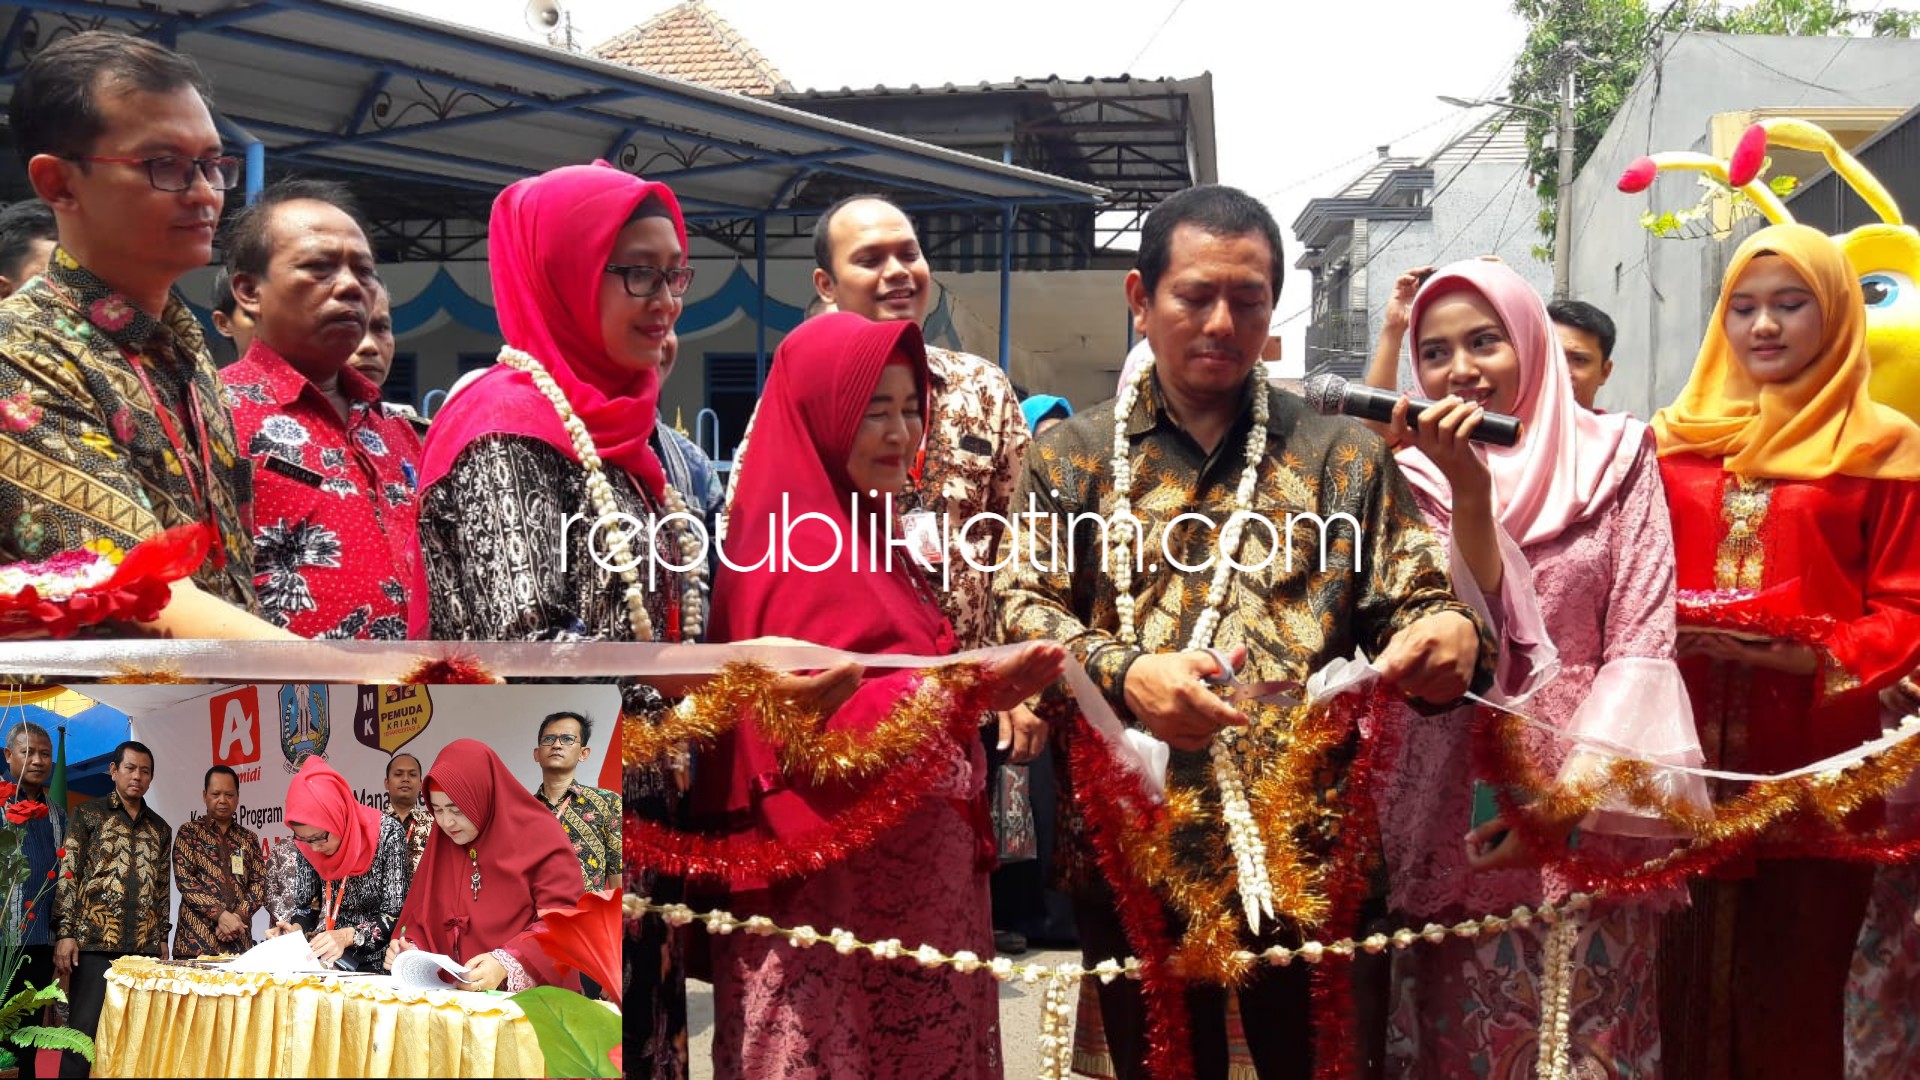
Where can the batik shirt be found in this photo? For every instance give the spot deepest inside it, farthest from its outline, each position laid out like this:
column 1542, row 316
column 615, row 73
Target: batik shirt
column 85, row 458
column 295, row 894
column 1295, row 615
column 335, row 548
column 591, row 818
column 975, row 441
column 116, row 883
column 418, row 827
column 216, row 872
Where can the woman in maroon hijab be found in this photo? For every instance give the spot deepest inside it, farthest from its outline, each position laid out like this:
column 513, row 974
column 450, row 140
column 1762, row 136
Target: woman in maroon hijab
column 497, row 858
column 843, row 413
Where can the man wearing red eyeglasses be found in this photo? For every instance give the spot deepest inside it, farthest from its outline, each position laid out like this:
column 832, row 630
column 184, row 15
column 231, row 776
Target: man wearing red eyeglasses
column 112, row 427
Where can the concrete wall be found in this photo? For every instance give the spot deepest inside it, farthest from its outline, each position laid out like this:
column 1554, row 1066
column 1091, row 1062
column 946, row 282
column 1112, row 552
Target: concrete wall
column 1661, row 291
column 1490, row 208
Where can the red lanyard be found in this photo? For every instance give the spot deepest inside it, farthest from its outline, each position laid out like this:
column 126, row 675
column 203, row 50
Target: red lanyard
column 201, row 496
column 330, row 904
column 560, row 810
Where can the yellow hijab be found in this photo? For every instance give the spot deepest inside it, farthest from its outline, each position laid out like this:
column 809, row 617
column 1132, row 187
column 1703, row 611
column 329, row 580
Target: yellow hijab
column 1818, row 424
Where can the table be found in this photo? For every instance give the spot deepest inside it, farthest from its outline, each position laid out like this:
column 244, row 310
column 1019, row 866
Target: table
column 164, row 1019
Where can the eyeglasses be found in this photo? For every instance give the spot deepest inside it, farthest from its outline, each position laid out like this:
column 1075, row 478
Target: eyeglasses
column 643, row 281
column 172, row 172
column 320, row 839
column 559, row 740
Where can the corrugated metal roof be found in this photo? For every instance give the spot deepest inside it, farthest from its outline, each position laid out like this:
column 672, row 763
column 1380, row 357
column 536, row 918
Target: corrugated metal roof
column 347, row 85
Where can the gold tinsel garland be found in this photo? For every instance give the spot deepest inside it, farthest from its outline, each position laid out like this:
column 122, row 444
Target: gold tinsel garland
column 1189, row 865
column 805, row 751
column 1831, row 797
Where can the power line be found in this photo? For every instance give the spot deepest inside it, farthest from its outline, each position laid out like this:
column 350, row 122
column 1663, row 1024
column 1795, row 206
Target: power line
column 1362, row 156
column 1850, row 39
column 1175, row 10
column 1376, row 251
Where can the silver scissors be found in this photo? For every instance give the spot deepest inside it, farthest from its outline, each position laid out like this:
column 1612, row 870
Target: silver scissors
column 1273, row 692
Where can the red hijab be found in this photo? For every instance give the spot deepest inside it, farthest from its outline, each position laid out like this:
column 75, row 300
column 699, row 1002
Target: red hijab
column 548, row 245
column 321, row 798
column 823, row 376
column 526, row 863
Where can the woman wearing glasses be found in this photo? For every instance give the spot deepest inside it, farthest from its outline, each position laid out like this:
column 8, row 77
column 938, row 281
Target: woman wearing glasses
column 589, row 267
column 344, row 880
column 496, row 860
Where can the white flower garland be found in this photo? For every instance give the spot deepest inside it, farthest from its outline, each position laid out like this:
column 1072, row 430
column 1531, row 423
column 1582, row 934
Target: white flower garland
column 1556, row 995
column 1062, row 980
column 600, row 493
column 1243, row 834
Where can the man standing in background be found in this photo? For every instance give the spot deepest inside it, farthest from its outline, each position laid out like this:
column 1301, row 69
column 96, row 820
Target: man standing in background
column 403, row 802
column 222, row 877
column 30, row 762
column 115, row 889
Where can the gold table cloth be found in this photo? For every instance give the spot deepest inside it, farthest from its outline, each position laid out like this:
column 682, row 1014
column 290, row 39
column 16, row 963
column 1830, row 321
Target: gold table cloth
column 169, row 1020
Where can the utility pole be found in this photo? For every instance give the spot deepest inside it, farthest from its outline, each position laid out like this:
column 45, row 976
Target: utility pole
column 1563, row 183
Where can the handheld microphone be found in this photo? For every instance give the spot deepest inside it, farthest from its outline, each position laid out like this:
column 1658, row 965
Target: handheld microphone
column 1329, row 394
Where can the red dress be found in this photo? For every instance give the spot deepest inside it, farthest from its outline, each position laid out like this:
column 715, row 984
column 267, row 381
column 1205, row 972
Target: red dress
column 1838, row 561
column 1844, row 549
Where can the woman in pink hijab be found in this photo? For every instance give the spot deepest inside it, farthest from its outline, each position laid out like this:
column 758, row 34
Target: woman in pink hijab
column 589, row 267
column 1563, row 541
column 345, row 877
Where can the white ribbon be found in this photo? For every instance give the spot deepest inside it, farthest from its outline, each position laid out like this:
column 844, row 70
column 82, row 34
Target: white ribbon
column 391, row 661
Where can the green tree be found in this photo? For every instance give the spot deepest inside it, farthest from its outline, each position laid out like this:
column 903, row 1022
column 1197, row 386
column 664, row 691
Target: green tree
column 1608, row 42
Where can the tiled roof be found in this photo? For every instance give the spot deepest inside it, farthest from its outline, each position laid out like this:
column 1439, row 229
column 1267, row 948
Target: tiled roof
column 690, row 41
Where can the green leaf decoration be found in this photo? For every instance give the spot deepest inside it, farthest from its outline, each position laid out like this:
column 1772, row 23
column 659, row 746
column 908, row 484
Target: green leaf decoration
column 576, row 1036
column 51, row 1038
column 1784, row 185
column 24, row 1002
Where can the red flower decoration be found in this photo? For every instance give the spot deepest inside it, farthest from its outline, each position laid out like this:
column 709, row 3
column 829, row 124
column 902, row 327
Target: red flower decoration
column 585, row 938
column 1748, row 157
column 69, row 874
column 1639, row 176
column 51, row 874
column 26, row 810
column 7, row 789
column 59, row 853
column 136, row 591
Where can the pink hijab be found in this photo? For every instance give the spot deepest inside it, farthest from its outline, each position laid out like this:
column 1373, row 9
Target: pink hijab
column 321, row 798
column 1571, row 462
column 549, row 243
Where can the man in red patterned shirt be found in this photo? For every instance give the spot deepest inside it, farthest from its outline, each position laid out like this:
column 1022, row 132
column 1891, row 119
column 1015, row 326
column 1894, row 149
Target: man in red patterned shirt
column 335, row 475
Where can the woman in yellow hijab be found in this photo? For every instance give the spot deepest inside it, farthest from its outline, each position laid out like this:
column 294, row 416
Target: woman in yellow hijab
column 1796, row 524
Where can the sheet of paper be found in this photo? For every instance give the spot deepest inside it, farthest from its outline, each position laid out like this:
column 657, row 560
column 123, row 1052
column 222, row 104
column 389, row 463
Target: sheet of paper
column 286, row 953
column 418, row 970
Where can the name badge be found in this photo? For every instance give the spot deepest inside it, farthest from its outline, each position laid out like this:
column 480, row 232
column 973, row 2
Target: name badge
column 923, row 536
column 239, row 866
column 297, row 473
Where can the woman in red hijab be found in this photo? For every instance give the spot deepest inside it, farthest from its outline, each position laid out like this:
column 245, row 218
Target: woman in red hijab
column 843, row 413
column 346, row 878
column 589, row 267
column 497, row 858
